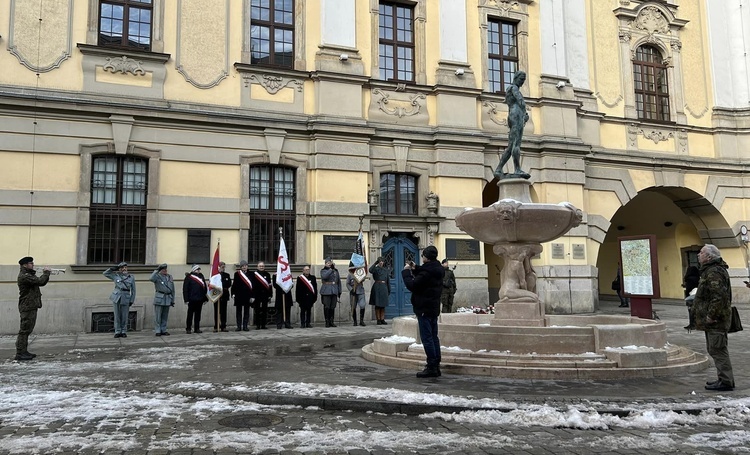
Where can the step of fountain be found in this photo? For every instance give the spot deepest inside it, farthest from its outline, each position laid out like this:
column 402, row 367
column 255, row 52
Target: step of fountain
column 541, row 366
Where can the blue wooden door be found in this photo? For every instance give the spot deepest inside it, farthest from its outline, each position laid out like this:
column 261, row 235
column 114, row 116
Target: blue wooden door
column 396, row 252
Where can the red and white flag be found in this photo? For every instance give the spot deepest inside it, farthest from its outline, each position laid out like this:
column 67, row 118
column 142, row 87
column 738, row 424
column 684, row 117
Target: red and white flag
column 283, row 272
column 214, row 283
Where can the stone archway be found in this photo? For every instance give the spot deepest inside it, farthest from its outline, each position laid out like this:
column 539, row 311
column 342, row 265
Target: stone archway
column 682, row 221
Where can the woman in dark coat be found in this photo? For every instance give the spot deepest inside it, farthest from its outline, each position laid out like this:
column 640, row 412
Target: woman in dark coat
column 380, row 290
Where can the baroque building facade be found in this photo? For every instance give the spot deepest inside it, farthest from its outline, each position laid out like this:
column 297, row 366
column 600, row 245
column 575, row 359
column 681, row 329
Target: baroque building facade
column 148, row 131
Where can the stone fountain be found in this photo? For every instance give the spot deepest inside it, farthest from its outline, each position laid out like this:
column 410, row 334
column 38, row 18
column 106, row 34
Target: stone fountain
column 520, row 340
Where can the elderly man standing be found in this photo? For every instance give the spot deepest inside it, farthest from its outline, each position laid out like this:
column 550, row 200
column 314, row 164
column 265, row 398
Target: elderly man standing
column 122, row 296
column 713, row 311
column 163, row 298
column 29, row 302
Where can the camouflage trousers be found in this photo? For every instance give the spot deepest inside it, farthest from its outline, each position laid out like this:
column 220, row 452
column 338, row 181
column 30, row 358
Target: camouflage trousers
column 28, row 321
column 446, row 302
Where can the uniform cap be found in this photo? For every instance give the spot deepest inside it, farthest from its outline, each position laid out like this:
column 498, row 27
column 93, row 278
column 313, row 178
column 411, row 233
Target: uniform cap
column 25, row 260
column 162, row 266
column 122, row 264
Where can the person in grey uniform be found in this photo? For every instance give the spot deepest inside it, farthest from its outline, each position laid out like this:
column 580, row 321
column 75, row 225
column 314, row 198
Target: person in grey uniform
column 330, row 290
column 163, row 298
column 356, row 297
column 122, row 297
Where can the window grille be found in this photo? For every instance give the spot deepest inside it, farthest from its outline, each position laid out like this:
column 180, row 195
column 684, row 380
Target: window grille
column 272, row 205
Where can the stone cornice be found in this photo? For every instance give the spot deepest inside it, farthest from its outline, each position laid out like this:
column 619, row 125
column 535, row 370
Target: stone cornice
column 114, row 52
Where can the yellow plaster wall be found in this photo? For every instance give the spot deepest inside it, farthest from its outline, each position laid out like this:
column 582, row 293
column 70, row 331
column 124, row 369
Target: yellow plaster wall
column 432, row 35
column 670, row 269
column 686, row 235
column 67, row 77
column 176, row 87
column 338, row 186
column 733, row 210
column 42, row 172
column 171, row 246
column 661, row 146
column 604, row 58
column 50, row 245
column 734, row 257
column 553, row 193
column 701, row 145
column 568, row 242
column 474, row 53
column 230, row 246
column 696, row 182
column 535, row 57
column 364, row 35
column 613, row 136
column 312, row 30
column 694, row 53
column 604, row 203
column 199, row 179
column 457, row 192
column 642, row 179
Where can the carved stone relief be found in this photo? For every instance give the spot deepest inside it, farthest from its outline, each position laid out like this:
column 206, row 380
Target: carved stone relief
column 273, row 84
column 40, row 33
column 124, row 65
column 398, row 105
column 651, row 20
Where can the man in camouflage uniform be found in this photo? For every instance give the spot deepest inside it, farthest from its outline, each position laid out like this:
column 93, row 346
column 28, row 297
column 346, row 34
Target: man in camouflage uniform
column 29, row 301
column 713, row 311
column 449, row 288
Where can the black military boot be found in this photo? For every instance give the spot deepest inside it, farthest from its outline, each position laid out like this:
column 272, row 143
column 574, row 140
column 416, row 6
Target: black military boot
column 354, row 317
column 362, row 317
column 325, row 315
column 428, row 372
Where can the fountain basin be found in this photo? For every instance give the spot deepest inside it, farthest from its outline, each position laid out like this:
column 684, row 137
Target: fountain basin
column 508, row 220
column 568, row 347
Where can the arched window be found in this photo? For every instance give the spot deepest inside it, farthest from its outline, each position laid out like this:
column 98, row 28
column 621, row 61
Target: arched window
column 117, row 222
column 272, row 205
column 650, row 81
column 398, row 194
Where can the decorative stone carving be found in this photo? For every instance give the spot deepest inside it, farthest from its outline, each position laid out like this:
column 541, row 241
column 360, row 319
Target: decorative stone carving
column 656, row 136
column 606, row 103
column 676, row 45
column 403, row 108
column 625, row 36
column 124, row 65
column 698, row 114
column 432, row 203
column 651, row 20
column 40, row 44
column 503, row 6
column 494, row 115
column 373, row 200
column 651, row 134
column 633, row 135
column 273, row 84
column 203, row 42
column 682, row 141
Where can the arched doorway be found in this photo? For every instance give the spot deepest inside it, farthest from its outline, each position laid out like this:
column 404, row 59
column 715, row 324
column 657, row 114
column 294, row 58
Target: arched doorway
column 397, row 250
column 682, row 221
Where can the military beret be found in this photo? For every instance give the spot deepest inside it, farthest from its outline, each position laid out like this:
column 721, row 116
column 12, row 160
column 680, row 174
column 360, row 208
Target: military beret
column 26, row 260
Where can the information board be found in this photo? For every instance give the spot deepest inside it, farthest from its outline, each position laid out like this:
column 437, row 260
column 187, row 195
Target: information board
column 462, row 249
column 640, row 272
column 338, row 246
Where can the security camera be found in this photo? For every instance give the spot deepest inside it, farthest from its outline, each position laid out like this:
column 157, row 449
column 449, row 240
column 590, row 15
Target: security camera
column 560, row 85
column 344, row 57
column 460, row 72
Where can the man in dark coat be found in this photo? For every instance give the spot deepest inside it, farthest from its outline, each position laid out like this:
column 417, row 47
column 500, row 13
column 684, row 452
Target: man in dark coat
column 426, row 283
column 29, row 302
column 194, row 294
column 306, row 293
column 242, row 291
column 380, row 290
column 712, row 309
column 262, row 291
column 220, row 306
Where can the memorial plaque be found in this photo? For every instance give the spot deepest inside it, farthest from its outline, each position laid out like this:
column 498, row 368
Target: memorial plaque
column 558, row 251
column 462, row 249
column 579, row 252
column 338, row 246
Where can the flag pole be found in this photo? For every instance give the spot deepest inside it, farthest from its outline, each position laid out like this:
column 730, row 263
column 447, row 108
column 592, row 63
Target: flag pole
column 218, row 307
column 283, row 297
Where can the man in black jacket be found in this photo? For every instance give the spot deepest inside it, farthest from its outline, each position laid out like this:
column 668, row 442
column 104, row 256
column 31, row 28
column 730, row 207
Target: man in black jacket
column 194, row 294
column 426, row 284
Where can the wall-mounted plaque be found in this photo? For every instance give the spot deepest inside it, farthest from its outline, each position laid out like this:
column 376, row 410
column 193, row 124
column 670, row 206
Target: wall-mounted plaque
column 558, row 251
column 338, row 246
column 462, row 249
column 579, row 252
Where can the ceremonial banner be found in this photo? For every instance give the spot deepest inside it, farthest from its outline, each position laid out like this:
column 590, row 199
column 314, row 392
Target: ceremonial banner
column 214, row 283
column 283, row 273
column 359, row 259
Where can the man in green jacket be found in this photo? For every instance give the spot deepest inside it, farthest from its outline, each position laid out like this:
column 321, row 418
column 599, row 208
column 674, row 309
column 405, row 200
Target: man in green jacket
column 29, row 301
column 713, row 312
